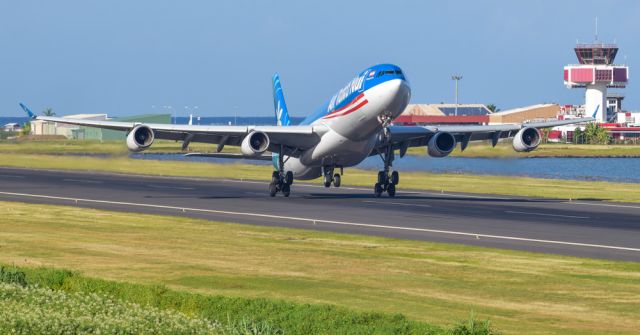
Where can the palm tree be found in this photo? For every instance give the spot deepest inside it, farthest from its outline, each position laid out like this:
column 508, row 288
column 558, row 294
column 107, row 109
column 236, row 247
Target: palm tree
column 493, row 108
column 48, row 112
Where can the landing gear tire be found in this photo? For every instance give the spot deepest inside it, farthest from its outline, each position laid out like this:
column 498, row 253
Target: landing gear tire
column 327, row 180
column 395, row 178
column 336, row 180
column 382, row 177
column 288, row 178
column 377, row 189
column 275, row 177
column 286, row 190
column 273, row 189
column 391, row 190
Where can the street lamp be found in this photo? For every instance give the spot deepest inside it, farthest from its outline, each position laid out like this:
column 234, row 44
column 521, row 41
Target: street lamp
column 456, row 78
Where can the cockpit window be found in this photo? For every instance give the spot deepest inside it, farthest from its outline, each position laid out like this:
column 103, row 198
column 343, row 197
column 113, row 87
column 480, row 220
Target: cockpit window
column 388, row 72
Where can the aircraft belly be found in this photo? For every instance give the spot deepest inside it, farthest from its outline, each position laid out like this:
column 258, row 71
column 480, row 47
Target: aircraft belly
column 335, row 149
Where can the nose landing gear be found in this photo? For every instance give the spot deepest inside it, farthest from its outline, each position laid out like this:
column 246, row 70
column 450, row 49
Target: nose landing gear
column 387, row 181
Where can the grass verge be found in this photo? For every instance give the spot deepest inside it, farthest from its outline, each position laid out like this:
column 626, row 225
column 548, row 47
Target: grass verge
column 481, row 184
column 77, row 304
column 428, row 282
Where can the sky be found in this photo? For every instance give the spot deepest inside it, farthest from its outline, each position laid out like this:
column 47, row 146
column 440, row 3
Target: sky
column 135, row 57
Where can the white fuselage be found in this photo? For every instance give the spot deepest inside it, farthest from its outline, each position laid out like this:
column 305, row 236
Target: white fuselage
column 351, row 137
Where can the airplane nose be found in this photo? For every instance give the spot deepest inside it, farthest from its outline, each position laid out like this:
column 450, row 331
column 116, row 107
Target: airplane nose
column 400, row 91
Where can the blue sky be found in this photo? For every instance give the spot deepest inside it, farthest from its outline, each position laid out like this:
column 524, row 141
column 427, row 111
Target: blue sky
column 123, row 57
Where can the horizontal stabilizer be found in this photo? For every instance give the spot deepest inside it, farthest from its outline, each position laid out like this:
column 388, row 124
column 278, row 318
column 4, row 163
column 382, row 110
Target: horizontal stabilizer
column 230, row 155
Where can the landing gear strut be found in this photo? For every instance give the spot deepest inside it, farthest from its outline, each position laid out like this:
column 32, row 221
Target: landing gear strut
column 280, row 180
column 331, row 178
column 387, row 181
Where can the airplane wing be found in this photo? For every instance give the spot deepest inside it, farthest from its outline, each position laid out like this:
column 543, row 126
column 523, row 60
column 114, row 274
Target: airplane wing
column 403, row 137
column 293, row 139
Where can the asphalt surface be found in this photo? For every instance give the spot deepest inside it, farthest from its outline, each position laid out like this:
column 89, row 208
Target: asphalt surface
column 578, row 228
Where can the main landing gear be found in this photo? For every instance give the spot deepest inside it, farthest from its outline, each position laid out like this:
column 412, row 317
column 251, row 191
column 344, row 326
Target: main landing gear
column 387, row 181
column 331, row 178
column 280, row 180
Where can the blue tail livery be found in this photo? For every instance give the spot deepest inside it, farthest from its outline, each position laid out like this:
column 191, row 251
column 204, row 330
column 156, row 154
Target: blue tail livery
column 28, row 111
column 282, row 114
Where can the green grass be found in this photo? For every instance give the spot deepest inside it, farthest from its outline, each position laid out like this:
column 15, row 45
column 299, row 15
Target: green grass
column 502, row 185
column 521, row 293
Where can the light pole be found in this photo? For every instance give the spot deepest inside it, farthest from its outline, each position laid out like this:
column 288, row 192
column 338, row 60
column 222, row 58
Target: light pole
column 456, row 78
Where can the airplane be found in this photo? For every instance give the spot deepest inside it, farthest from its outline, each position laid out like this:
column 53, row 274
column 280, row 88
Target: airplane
column 355, row 123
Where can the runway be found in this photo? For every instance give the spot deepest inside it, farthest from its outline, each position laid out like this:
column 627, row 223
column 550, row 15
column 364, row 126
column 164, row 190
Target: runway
column 577, row 228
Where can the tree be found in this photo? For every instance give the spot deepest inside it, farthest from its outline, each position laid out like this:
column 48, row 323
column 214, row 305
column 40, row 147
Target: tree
column 493, row 108
column 578, row 136
column 26, row 128
column 48, row 112
column 545, row 134
column 594, row 134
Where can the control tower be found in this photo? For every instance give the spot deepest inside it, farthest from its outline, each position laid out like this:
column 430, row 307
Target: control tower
column 596, row 72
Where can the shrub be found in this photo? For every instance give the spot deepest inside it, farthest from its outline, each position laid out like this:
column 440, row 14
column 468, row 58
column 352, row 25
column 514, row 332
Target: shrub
column 12, row 276
column 473, row 327
column 35, row 310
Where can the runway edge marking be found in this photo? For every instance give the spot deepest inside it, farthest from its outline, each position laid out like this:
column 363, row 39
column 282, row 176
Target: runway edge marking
column 316, row 221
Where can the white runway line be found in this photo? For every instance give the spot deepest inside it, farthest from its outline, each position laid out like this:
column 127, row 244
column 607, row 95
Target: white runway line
column 317, row 221
column 8, row 176
column 546, row 214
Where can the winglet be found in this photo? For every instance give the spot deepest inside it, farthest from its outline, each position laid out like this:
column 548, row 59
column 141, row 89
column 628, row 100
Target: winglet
column 28, row 111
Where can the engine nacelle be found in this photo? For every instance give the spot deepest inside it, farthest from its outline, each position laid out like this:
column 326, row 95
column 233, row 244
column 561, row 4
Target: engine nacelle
column 526, row 139
column 255, row 143
column 140, row 138
column 441, row 144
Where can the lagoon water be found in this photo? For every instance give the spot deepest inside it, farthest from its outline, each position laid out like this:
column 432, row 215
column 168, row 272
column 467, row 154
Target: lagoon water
column 626, row 170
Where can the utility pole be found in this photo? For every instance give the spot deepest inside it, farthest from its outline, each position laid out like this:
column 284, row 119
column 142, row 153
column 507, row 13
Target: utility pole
column 456, row 78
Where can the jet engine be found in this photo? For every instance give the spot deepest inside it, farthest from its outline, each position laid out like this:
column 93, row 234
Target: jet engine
column 255, row 143
column 140, row 138
column 526, row 139
column 441, row 144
